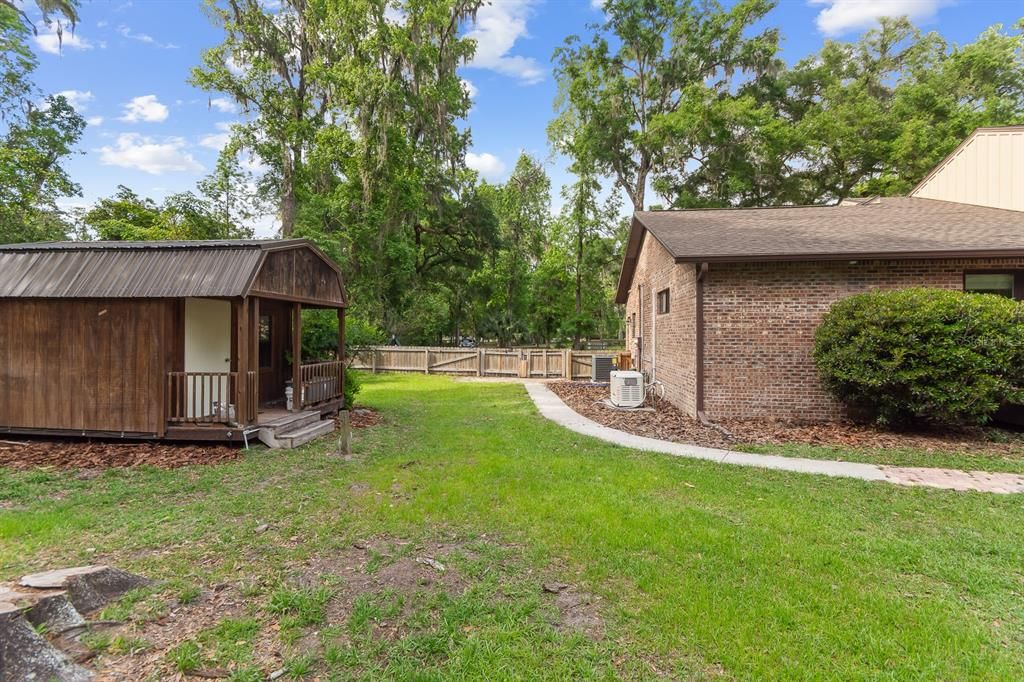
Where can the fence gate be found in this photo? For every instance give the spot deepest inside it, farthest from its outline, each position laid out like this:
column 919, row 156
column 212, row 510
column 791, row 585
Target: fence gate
column 540, row 363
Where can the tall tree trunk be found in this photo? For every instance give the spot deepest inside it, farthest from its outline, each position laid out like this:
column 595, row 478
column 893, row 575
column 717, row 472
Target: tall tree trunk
column 288, row 201
column 579, row 286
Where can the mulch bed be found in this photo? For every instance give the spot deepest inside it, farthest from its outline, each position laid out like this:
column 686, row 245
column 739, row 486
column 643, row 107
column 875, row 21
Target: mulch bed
column 364, row 417
column 71, row 454
column 668, row 423
column 34, row 454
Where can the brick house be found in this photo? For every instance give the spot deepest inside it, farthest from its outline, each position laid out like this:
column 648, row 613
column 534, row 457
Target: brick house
column 722, row 304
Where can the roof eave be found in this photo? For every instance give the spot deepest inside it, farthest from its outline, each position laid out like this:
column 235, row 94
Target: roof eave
column 873, row 255
column 632, row 252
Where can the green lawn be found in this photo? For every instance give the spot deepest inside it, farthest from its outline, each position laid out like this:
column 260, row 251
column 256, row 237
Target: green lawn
column 702, row 570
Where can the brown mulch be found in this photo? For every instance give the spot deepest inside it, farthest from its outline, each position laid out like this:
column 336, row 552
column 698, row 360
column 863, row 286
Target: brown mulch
column 34, row 454
column 668, row 423
column 364, row 417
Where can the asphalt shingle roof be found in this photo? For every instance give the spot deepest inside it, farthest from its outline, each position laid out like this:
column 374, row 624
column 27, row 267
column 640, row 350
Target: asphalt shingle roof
column 887, row 226
column 891, row 227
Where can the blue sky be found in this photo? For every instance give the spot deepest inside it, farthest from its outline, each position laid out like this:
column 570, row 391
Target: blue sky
column 127, row 64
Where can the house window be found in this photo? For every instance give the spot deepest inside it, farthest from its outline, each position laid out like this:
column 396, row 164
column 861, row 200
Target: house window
column 998, row 283
column 663, row 302
column 266, row 345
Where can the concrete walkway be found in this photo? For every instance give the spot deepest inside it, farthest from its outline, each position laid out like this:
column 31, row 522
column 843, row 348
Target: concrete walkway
column 552, row 407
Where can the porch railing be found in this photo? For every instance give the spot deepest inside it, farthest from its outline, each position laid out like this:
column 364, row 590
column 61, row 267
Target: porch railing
column 322, row 381
column 209, row 397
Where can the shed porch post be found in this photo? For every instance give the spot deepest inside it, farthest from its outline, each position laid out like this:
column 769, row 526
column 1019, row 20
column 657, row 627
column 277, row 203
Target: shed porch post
column 242, row 344
column 254, row 357
column 341, row 354
column 296, row 357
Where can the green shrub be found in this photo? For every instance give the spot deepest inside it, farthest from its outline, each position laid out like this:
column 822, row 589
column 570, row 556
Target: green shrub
column 320, row 335
column 923, row 355
column 353, row 382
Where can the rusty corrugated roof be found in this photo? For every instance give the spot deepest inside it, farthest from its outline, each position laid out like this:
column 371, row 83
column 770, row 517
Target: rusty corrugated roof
column 132, row 269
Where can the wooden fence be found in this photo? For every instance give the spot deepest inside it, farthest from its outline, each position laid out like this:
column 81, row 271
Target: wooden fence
column 482, row 362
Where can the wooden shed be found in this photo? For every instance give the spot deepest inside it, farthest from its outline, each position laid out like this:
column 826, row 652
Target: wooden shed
column 171, row 340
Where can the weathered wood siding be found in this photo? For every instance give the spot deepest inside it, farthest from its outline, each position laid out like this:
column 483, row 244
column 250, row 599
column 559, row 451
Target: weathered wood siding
column 85, row 365
column 298, row 274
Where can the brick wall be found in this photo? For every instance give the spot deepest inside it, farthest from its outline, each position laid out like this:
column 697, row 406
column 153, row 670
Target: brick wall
column 675, row 364
column 760, row 320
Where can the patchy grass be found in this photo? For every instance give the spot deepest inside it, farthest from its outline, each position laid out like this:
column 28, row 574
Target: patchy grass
column 1012, row 463
column 697, row 570
column 186, row 657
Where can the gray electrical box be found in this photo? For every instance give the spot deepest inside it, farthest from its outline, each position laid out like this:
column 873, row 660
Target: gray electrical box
column 601, row 368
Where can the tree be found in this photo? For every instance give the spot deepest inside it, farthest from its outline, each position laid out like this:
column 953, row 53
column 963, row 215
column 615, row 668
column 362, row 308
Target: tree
column 129, row 217
column 233, row 193
column 264, row 65
column 522, row 207
column 354, row 108
column 653, row 60
column 587, row 228
column 124, row 217
column 65, row 10
column 388, row 175
column 34, row 141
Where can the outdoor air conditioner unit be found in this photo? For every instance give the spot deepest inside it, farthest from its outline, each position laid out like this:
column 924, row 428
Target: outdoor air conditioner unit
column 627, row 389
column 601, row 367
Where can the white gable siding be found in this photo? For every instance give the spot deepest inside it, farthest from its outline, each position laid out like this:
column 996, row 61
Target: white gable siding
column 986, row 170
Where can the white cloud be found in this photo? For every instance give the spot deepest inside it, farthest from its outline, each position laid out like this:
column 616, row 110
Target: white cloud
column 144, row 38
column 598, row 4
column 217, row 141
column 139, row 152
column 487, row 165
column 79, row 99
column 48, row 40
column 144, row 108
column 94, row 120
column 395, row 15
column 254, row 164
column 498, row 26
column 223, row 105
column 471, row 90
column 236, row 67
column 840, row 16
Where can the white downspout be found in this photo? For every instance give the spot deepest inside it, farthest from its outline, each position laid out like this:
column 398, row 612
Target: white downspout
column 640, row 313
column 654, row 336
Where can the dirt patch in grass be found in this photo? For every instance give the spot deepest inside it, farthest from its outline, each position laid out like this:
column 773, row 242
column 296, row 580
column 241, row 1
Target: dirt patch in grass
column 364, row 417
column 93, row 456
column 382, row 583
column 668, row 423
column 372, row 572
column 367, row 597
column 577, row 611
column 143, row 646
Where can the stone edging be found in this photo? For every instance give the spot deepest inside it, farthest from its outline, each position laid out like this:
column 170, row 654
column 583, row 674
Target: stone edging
column 552, row 407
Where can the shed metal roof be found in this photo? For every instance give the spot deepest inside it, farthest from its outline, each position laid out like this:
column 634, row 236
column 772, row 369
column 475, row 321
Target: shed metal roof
column 169, row 269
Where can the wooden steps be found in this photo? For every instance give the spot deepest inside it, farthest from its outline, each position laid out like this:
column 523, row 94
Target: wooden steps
column 295, row 429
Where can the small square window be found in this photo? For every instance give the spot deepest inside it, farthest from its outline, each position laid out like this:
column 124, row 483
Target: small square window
column 663, row 302
column 999, row 283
